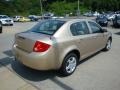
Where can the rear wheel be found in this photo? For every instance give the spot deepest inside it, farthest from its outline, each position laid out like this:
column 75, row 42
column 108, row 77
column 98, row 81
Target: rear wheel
column 69, row 64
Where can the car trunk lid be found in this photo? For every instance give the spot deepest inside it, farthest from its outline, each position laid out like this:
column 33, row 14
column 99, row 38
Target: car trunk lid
column 26, row 41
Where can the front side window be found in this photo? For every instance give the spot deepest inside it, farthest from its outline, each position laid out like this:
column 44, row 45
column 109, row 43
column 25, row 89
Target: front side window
column 79, row 28
column 94, row 27
column 48, row 27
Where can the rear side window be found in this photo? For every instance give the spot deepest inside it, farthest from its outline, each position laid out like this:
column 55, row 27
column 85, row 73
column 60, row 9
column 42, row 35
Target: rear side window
column 79, row 28
column 48, row 27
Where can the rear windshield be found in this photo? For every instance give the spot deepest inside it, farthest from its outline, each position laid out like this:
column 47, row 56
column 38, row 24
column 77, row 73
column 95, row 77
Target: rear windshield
column 48, row 27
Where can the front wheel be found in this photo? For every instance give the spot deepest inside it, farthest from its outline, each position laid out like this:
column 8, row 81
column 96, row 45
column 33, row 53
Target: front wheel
column 108, row 45
column 69, row 64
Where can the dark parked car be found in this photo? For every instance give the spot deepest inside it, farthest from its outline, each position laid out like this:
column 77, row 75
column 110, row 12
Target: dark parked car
column 102, row 20
column 0, row 27
column 116, row 21
column 33, row 18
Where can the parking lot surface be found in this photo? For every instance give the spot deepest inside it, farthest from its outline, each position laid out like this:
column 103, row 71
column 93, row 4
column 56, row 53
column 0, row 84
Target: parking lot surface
column 98, row 72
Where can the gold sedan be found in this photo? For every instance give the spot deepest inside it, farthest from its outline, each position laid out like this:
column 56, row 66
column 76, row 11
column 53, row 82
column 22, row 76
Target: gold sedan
column 60, row 44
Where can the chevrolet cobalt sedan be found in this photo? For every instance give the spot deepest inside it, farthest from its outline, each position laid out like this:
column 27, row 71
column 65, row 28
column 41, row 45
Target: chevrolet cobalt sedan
column 60, row 44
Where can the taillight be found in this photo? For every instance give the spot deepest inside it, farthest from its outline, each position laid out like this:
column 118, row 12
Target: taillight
column 40, row 47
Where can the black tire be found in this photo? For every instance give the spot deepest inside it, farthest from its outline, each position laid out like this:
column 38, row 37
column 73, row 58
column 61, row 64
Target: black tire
column 65, row 64
column 0, row 27
column 11, row 24
column 108, row 45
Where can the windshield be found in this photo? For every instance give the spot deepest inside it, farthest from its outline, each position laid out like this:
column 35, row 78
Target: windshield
column 48, row 27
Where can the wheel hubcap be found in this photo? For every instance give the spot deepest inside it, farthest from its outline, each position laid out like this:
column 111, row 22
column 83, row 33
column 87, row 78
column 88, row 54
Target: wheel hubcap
column 71, row 64
column 108, row 44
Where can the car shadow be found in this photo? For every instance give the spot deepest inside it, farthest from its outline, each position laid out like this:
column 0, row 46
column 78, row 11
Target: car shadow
column 36, row 75
column 118, row 33
column 8, row 59
column 31, row 74
column 8, row 53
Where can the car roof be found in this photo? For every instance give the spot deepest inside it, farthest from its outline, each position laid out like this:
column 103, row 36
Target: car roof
column 67, row 20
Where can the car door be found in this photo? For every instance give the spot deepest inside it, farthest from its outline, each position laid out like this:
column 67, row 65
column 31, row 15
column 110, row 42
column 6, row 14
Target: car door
column 83, row 38
column 97, row 36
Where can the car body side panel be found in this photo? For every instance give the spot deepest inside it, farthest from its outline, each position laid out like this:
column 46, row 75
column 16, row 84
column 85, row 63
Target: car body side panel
column 100, row 39
column 39, row 61
column 85, row 44
column 63, row 47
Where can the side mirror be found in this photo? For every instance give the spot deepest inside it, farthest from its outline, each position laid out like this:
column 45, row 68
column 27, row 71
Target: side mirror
column 104, row 30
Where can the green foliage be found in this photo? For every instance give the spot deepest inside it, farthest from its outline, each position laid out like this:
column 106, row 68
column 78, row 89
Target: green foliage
column 59, row 7
column 62, row 8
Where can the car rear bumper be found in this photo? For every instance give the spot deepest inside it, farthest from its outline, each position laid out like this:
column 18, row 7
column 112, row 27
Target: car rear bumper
column 39, row 61
column 7, row 23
